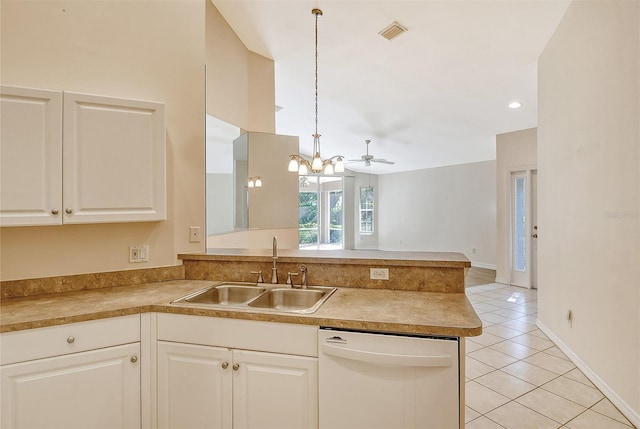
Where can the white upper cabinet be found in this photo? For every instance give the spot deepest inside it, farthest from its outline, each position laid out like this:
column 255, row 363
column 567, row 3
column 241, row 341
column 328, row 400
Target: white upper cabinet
column 30, row 156
column 107, row 164
column 114, row 160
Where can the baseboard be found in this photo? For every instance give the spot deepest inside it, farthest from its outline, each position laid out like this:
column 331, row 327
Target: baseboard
column 483, row 265
column 625, row 409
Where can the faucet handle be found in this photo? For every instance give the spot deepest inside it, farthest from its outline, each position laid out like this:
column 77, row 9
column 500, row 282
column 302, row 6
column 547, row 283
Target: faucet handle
column 289, row 280
column 259, row 273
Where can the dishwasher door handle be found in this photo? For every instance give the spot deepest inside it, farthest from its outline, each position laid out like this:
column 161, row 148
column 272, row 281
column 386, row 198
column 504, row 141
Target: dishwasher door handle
column 387, row 359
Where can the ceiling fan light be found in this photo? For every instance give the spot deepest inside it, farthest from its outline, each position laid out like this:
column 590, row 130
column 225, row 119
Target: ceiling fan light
column 293, row 164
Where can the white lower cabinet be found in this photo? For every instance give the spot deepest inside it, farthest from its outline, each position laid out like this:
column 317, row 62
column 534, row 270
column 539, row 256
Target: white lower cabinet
column 274, row 391
column 79, row 388
column 194, row 386
column 208, row 386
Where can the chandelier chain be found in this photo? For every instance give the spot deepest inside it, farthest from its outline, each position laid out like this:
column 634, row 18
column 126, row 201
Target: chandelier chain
column 316, row 71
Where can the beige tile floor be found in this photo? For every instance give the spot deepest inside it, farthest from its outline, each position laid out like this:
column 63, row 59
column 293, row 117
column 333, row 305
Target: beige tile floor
column 517, row 378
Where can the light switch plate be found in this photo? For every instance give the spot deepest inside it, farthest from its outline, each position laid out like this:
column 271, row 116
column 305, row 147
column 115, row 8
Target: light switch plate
column 139, row 253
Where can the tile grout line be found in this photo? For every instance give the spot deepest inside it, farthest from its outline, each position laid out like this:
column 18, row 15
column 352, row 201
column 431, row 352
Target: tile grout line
column 528, row 304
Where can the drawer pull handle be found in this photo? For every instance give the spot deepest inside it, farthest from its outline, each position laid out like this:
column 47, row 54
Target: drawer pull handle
column 134, row 359
column 225, row 365
column 71, row 340
column 236, row 366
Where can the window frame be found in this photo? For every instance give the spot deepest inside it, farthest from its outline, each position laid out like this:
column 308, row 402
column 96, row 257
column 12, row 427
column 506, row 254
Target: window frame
column 362, row 228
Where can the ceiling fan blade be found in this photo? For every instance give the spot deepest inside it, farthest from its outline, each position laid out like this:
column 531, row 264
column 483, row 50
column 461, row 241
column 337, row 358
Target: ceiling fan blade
column 355, row 160
column 383, row 161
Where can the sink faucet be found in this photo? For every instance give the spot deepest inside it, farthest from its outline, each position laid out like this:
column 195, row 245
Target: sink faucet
column 304, row 282
column 274, row 270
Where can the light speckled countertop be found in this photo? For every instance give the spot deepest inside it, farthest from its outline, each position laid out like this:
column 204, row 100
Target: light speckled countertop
column 411, row 312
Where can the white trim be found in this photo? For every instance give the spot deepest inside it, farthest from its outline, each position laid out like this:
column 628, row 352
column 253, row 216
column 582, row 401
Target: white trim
column 625, row 409
column 483, row 265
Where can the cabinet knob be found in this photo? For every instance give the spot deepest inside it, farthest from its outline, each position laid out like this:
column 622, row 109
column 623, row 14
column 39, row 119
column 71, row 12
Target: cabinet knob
column 68, row 210
column 225, row 365
column 55, row 211
column 134, row 359
column 236, row 366
column 70, row 340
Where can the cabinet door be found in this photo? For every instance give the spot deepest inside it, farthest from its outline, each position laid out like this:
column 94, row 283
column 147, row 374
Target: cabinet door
column 114, row 160
column 30, row 157
column 194, row 386
column 274, row 391
column 95, row 389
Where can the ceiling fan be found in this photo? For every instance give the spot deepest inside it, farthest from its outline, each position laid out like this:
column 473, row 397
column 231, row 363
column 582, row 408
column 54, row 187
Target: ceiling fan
column 368, row 159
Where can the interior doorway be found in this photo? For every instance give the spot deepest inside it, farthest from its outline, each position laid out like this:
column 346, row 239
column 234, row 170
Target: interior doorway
column 524, row 228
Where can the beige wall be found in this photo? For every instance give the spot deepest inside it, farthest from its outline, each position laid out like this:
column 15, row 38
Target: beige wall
column 240, row 91
column 134, row 49
column 445, row 209
column 515, row 151
column 240, row 83
column 589, row 194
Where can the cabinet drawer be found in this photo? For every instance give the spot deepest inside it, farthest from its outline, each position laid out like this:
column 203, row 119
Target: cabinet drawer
column 38, row 343
column 273, row 337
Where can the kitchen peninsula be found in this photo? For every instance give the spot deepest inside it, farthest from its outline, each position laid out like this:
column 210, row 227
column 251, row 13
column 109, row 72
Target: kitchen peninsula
column 72, row 318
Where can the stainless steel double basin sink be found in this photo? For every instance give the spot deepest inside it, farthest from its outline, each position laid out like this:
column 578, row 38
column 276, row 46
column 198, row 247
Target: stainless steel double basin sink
column 239, row 295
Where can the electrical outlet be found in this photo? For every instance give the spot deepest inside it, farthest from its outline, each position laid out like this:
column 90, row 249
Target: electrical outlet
column 194, row 234
column 139, row 253
column 379, row 273
column 134, row 254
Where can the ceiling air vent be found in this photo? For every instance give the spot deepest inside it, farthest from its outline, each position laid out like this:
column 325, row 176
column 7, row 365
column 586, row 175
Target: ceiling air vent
column 392, row 31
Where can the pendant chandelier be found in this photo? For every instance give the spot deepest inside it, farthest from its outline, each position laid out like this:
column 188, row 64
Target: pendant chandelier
column 317, row 165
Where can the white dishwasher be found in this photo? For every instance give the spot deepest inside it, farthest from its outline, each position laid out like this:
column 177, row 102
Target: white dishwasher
column 387, row 381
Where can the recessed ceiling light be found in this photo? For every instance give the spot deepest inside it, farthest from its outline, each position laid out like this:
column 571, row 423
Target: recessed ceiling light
column 515, row 105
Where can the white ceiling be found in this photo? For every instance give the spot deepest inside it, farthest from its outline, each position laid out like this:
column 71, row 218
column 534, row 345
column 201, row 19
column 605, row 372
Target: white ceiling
column 436, row 95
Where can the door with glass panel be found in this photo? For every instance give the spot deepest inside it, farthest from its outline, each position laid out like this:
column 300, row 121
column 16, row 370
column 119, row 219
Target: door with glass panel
column 523, row 228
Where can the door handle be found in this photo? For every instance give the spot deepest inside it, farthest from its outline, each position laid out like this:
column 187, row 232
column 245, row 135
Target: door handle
column 387, row 359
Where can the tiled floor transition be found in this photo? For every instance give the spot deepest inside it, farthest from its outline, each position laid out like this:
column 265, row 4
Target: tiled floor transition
column 518, row 379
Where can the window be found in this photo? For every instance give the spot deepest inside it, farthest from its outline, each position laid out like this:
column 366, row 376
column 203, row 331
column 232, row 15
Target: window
column 308, row 217
column 519, row 224
column 335, row 217
column 366, row 210
column 320, row 215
